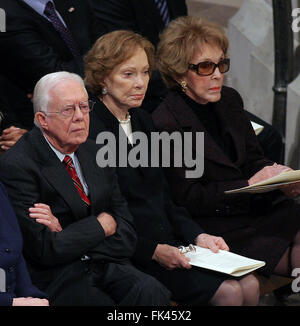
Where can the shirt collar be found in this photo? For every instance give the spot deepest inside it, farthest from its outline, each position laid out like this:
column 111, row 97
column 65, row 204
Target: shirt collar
column 59, row 154
column 38, row 5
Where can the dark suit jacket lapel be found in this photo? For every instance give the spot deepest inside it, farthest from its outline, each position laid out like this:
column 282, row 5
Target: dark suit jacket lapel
column 72, row 13
column 56, row 174
column 188, row 121
column 153, row 14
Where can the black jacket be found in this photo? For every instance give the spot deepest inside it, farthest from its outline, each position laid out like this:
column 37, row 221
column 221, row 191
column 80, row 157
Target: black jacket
column 157, row 219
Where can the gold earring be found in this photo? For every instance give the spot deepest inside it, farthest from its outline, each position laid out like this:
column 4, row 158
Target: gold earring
column 183, row 85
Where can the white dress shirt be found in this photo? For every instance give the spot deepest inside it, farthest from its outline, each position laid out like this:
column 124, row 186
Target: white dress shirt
column 76, row 163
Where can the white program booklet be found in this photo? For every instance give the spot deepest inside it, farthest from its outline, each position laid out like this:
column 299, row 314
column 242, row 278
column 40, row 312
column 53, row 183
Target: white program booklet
column 222, row 261
column 270, row 184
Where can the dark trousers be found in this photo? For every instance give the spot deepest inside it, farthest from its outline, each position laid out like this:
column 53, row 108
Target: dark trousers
column 84, row 283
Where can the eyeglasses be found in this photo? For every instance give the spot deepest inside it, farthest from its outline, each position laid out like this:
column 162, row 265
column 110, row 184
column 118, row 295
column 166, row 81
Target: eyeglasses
column 67, row 112
column 207, row 68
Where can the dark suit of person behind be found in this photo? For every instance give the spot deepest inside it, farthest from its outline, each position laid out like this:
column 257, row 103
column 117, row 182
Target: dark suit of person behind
column 32, row 48
column 141, row 17
column 84, row 260
column 15, row 281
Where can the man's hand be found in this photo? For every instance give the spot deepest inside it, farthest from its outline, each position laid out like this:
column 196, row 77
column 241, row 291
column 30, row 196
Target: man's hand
column 43, row 215
column 108, row 223
column 211, row 242
column 10, row 136
column 170, row 257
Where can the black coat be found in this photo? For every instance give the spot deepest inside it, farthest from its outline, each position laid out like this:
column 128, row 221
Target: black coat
column 156, row 217
column 32, row 173
column 253, row 225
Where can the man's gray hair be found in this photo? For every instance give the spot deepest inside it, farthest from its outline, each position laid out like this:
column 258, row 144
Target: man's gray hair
column 45, row 84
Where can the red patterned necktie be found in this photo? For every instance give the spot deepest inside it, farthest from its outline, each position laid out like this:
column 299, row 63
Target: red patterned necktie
column 71, row 170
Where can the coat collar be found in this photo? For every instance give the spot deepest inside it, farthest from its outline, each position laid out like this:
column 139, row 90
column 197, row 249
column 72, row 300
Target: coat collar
column 188, row 121
column 111, row 124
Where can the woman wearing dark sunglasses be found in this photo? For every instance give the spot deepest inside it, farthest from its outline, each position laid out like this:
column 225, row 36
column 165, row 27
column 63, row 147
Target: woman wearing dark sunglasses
column 192, row 58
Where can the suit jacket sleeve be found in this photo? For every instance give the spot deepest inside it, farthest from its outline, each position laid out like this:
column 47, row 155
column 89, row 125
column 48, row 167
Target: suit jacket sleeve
column 24, row 286
column 40, row 244
column 122, row 244
column 184, row 227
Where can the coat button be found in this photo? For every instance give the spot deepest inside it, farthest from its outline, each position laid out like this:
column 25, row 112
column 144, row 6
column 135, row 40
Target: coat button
column 7, row 250
column 10, row 269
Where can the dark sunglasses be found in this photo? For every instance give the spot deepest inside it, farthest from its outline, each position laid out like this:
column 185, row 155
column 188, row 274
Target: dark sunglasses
column 206, row 68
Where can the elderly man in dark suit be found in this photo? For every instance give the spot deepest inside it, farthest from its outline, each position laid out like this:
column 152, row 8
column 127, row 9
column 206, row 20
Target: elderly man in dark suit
column 41, row 37
column 78, row 232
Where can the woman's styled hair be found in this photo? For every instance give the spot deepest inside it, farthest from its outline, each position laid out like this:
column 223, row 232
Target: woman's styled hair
column 179, row 42
column 108, row 52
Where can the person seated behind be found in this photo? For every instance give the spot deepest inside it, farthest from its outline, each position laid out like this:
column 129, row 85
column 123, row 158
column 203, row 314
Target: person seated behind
column 192, row 57
column 16, row 288
column 78, row 232
column 118, row 69
column 41, row 37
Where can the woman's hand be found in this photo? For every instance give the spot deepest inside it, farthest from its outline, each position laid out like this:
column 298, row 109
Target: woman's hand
column 268, row 172
column 211, row 242
column 29, row 301
column 43, row 215
column 291, row 190
column 170, row 257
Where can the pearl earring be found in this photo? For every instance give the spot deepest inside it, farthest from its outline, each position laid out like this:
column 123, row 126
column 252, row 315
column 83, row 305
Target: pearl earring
column 104, row 91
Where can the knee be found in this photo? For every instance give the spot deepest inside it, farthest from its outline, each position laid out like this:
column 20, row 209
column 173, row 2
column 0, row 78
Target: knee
column 250, row 288
column 229, row 294
column 152, row 291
